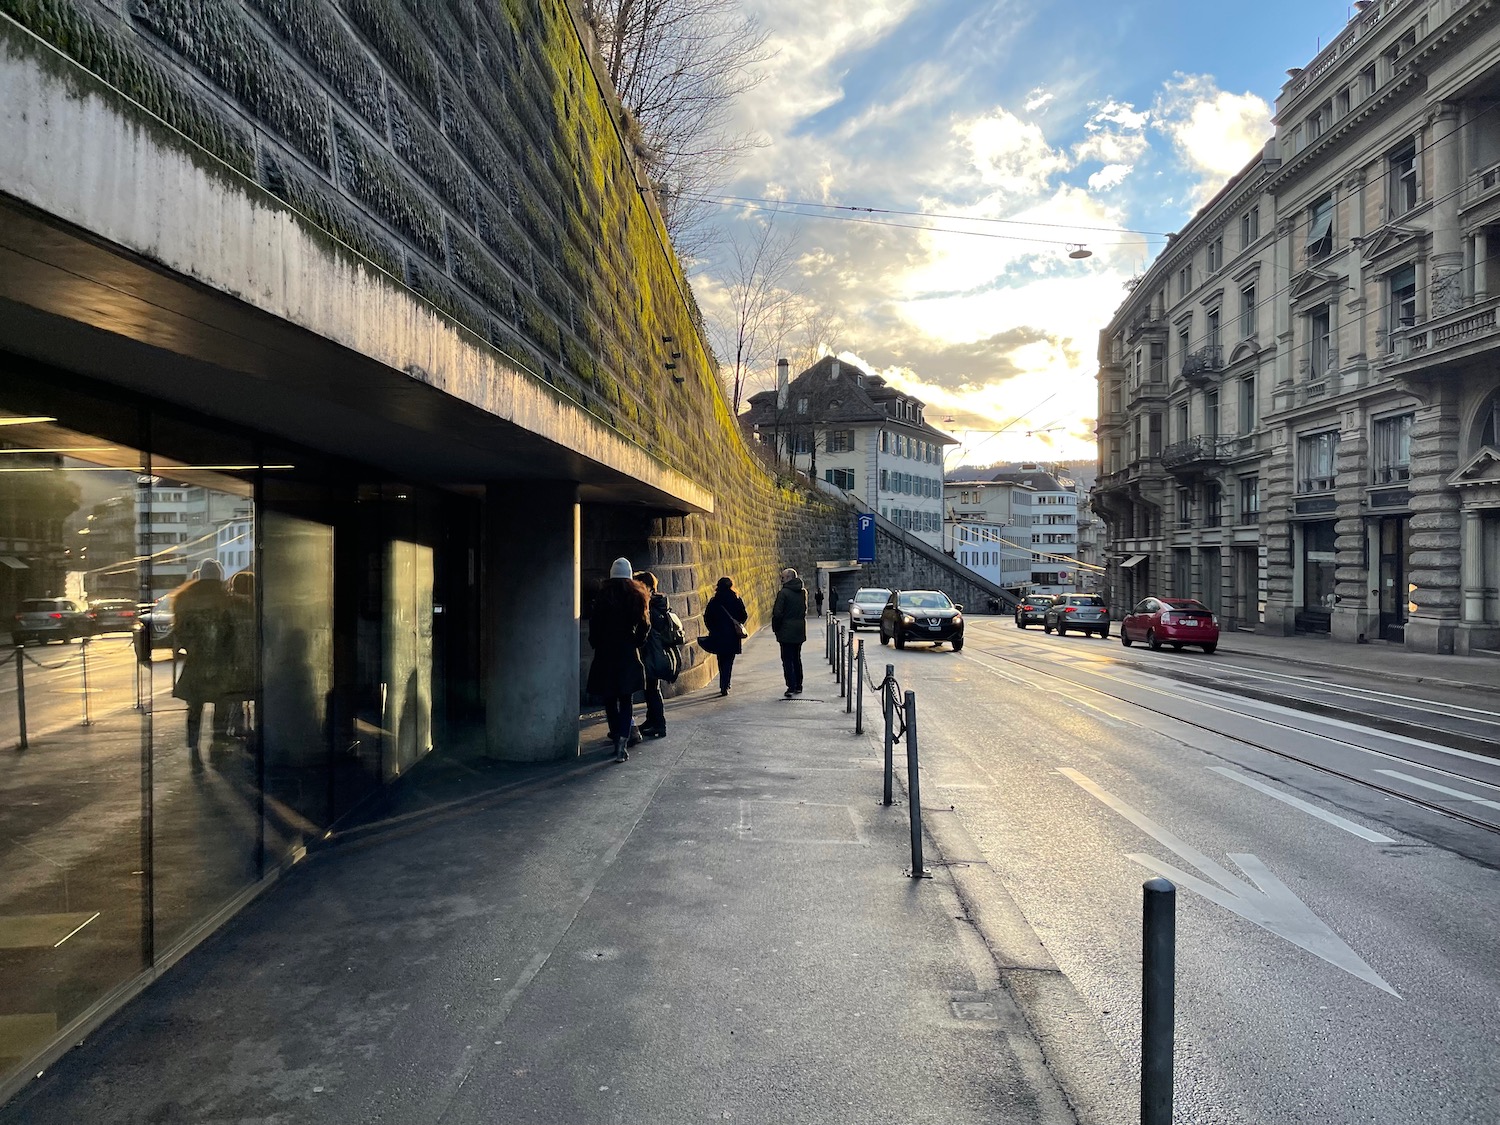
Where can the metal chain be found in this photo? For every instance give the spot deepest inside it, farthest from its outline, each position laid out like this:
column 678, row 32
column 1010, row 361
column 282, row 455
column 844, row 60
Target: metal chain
column 9, row 657
column 46, row 667
column 878, row 689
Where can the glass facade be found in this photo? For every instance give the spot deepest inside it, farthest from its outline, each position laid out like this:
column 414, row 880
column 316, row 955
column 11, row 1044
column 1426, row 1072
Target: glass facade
column 256, row 644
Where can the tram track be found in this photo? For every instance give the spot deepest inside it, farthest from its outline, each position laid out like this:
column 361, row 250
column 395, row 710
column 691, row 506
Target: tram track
column 1488, row 824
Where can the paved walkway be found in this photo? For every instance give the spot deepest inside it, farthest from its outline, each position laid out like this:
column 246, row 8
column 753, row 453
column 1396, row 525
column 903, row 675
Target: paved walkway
column 720, row 929
column 1377, row 658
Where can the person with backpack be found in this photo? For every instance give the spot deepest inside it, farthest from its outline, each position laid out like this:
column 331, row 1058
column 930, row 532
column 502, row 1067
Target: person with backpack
column 661, row 654
column 789, row 623
column 724, row 617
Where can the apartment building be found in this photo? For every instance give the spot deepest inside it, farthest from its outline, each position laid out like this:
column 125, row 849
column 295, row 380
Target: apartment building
column 1335, row 466
column 987, row 528
column 851, row 429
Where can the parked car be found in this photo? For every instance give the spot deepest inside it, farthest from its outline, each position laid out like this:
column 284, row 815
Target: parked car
column 112, row 615
column 1033, row 610
column 865, row 607
column 153, row 628
column 1171, row 621
column 49, row 619
column 1086, row 613
column 922, row 615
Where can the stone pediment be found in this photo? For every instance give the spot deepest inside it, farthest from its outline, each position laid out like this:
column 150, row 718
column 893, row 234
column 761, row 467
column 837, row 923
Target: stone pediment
column 1245, row 349
column 1314, row 283
column 1482, row 469
column 1389, row 239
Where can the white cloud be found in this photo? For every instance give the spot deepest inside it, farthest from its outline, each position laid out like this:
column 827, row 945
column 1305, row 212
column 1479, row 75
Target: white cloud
column 1214, row 132
column 1037, row 99
column 1110, row 176
column 1010, row 155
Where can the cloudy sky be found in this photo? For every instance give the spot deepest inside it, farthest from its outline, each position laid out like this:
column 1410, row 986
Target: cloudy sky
column 1102, row 118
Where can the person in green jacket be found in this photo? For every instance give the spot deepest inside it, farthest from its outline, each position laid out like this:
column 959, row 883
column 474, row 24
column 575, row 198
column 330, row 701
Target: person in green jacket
column 789, row 623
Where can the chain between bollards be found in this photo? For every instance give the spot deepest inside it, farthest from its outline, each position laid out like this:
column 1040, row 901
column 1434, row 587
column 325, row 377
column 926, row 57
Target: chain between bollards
column 1158, row 999
column 914, row 788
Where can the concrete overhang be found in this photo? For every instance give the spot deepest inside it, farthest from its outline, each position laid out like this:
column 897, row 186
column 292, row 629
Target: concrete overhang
column 131, row 256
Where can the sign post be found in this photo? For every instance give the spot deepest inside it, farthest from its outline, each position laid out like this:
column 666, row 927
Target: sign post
column 866, row 528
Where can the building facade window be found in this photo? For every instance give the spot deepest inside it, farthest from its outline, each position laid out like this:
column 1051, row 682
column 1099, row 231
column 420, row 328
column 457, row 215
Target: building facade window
column 1184, row 508
column 1402, row 185
column 1247, row 311
column 1249, row 499
column 1216, row 255
column 1247, row 410
column 840, row 478
column 1320, row 227
column 1402, row 285
column 1249, row 226
column 1181, row 433
column 1319, row 342
column 1213, row 328
column 1154, row 448
column 840, row 441
column 1315, row 461
column 1185, row 280
column 1390, row 459
column 1213, row 504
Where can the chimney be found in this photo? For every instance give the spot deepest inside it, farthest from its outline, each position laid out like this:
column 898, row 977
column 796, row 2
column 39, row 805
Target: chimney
column 782, row 383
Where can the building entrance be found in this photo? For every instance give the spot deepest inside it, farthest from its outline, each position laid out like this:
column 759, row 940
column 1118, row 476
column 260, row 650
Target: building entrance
column 1393, row 581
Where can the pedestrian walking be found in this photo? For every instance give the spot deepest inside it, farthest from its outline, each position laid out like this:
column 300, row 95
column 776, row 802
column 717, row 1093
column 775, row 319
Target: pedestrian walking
column 789, row 623
column 617, row 629
column 724, row 617
column 203, row 627
column 661, row 656
column 818, row 598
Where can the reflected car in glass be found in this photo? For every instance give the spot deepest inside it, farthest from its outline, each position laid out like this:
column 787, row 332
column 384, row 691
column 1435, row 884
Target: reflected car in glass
column 1082, row 613
column 928, row 616
column 112, row 615
column 1033, row 610
column 49, row 619
column 865, row 607
column 153, row 628
column 1171, row 621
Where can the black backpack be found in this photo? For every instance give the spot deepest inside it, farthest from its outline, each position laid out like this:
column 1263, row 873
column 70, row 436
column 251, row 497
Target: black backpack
column 662, row 653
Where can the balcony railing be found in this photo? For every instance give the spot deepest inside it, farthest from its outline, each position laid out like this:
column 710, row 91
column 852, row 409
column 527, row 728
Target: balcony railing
column 1199, row 452
column 1203, row 362
column 1476, row 324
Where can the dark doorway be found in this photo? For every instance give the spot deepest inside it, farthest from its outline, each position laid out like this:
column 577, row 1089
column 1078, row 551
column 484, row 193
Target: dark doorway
column 1393, row 581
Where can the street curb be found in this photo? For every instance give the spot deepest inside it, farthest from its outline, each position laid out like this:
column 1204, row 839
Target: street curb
column 1405, row 677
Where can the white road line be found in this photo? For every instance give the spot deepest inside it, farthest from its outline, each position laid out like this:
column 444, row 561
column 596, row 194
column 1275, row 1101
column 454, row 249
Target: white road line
column 1265, row 901
column 1458, row 793
column 1298, row 803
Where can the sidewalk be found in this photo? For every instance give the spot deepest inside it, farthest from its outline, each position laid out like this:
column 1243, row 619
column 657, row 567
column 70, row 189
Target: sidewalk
column 720, row 929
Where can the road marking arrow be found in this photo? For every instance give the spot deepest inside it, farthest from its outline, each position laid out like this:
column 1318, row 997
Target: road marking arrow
column 1269, row 904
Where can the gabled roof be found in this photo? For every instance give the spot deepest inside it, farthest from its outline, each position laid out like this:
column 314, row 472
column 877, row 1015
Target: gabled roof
column 841, row 393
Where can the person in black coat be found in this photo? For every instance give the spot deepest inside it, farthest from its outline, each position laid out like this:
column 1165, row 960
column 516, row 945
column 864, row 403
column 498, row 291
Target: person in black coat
column 617, row 629
column 722, row 617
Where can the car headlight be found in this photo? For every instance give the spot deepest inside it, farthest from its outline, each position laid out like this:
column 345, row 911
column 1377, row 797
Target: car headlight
column 958, row 619
column 908, row 619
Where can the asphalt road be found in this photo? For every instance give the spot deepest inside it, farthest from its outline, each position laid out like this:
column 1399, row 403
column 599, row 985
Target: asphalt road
column 1339, row 885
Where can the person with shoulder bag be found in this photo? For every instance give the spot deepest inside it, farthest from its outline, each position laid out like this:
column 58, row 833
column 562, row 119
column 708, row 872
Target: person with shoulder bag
column 661, row 654
column 618, row 628
column 724, row 617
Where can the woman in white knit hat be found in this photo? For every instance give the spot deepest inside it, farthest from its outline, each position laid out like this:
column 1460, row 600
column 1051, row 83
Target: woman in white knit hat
column 617, row 629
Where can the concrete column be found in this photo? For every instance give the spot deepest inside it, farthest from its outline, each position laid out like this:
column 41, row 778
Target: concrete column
column 1446, row 271
column 531, row 634
column 1481, row 245
column 1282, row 313
column 1472, row 548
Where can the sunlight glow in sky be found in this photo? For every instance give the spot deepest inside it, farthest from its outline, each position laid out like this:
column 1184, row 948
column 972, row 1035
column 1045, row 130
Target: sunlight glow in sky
column 1087, row 114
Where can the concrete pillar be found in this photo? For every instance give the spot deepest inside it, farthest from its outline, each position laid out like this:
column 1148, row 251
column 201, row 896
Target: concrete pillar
column 1481, row 243
column 531, row 634
column 1446, row 269
column 1472, row 549
column 1284, row 253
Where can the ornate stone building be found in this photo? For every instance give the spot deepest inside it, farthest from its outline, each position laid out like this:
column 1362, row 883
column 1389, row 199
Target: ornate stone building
column 1372, row 423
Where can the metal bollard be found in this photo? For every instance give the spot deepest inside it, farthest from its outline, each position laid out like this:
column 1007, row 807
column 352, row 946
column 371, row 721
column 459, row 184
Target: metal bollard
column 828, row 638
column 838, row 664
column 1158, row 998
column 88, row 719
column 21, row 692
column 913, row 787
column 849, row 676
column 859, row 689
column 888, row 702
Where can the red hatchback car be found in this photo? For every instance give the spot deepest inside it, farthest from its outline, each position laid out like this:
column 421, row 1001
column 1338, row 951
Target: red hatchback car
column 1171, row 621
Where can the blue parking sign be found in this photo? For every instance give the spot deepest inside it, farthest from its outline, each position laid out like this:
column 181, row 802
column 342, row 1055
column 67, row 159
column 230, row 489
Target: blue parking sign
column 866, row 538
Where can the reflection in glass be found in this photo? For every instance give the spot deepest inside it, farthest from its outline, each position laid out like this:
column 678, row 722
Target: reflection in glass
column 71, row 856
column 407, row 705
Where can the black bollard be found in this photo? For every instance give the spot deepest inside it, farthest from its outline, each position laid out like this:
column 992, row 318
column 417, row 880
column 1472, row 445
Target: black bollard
column 913, row 787
column 858, row 695
column 849, row 675
column 88, row 718
column 1158, row 999
column 888, row 702
column 21, row 692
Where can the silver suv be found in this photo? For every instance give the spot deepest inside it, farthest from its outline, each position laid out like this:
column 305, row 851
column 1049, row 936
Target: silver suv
column 1086, row 613
column 865, row 607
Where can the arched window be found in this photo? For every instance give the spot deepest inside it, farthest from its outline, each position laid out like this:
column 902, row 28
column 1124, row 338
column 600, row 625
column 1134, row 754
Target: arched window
column 1487, row 431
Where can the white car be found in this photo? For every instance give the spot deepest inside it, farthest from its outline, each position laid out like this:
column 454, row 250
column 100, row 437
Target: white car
column 865, row 607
